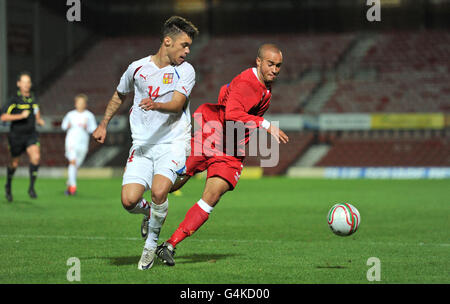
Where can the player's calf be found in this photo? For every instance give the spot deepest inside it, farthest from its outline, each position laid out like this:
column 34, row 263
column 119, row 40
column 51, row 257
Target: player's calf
column 134, row 203
column 211, row 196
column 159, row 209
column 196, row 216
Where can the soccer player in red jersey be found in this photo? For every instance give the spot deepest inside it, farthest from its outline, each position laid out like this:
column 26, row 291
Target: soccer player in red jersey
column 245, row 100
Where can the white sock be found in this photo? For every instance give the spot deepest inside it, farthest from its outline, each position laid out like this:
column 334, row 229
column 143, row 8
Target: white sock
column 72, row 175
column 157, row 218
column 204, row 205
column 142, row 207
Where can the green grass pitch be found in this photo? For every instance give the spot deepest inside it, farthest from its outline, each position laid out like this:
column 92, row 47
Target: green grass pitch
column 271, row 230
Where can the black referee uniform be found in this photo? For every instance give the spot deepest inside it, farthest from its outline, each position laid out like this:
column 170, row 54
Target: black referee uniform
column 22, row 134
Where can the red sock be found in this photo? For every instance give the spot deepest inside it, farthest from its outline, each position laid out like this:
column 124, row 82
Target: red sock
column 194, row 219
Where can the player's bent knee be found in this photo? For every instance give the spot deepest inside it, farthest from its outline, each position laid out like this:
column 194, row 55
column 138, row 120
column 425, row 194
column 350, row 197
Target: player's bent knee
column 159, row 195
column 35, row 158
column 131, row 195
column 14, row 164
column 129, row 202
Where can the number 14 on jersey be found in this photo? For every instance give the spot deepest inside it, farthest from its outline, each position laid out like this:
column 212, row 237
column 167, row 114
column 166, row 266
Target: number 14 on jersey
column 153, row 94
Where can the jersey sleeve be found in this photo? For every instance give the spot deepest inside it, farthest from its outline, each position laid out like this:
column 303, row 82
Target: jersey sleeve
column 92, row 123
column 35, row 106
column 187, row 80
column 126, row 84
column 7, row 107
column 65, row 122
column 242, row 97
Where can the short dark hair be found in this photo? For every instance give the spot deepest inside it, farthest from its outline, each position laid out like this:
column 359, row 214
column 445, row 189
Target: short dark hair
column 267, row 46
column 175, row 25
column 23, row 73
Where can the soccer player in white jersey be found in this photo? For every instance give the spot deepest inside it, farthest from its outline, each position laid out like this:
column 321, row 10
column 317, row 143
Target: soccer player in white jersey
column 160, row 127
column 78, row 123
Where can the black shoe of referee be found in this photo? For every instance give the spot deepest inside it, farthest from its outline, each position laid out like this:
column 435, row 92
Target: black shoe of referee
column 32, row 193
column 8, row 193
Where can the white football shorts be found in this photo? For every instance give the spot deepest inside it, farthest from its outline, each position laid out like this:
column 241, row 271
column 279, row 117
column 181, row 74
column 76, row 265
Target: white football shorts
column 76, row 153
column 144, row 162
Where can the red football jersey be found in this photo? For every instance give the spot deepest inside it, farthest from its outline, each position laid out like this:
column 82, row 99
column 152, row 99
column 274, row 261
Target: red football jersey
column 245, row 99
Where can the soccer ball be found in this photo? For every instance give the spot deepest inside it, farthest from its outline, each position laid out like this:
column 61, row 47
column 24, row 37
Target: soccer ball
column 343, row 219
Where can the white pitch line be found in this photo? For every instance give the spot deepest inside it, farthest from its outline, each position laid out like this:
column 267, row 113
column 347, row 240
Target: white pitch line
column 105, row 238
column 70, row 237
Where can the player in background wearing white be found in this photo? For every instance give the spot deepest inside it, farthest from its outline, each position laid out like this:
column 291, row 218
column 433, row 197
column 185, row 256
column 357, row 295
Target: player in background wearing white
column 78, row 123
column 160, row 123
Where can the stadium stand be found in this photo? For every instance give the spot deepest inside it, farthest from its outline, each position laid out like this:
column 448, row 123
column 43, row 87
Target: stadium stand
column 413, row 75
column 385, row 148
column 288, row 153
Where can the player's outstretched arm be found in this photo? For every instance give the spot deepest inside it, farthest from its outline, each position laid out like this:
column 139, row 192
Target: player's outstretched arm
column 13, row 117
column 113, row 106
column 39, row 119
column 176, row 105
column 278, row 134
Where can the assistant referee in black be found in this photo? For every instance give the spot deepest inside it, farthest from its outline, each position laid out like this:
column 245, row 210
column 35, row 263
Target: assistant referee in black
column 23, row 113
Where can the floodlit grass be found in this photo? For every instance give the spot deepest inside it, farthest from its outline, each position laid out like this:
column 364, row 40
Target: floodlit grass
column 271, row 230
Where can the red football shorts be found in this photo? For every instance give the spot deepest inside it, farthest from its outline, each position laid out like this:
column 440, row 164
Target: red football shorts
column 225, row 166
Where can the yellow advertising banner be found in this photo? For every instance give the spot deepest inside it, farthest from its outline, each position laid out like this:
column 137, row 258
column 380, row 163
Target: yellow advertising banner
column 408, row 121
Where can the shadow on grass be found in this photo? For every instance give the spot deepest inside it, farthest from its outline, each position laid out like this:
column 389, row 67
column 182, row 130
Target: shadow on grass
column 331, row 267
column 182, row 259
column 20, row 203
column 328, row 266
column 199, row 258
column 117, row 261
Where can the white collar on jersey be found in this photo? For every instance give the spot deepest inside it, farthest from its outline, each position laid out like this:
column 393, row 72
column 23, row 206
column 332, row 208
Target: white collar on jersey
column 151, row 61
column 256, row 74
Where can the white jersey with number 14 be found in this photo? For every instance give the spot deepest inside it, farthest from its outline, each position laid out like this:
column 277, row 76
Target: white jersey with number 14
column 147, row 80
